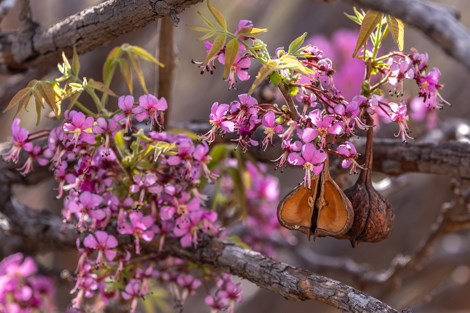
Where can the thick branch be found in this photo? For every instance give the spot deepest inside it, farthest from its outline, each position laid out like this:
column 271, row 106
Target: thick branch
column 439, row 23
column 86, row 30
column 286, row 280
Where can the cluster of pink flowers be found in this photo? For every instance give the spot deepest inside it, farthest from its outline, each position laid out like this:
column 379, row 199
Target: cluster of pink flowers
column 322, row 120
column 121, row 178
column 22, row 289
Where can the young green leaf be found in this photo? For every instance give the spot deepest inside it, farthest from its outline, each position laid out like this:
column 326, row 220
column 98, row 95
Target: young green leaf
column 398, row 31
column 231, row 51
column 263, row 73
column 38, row 104
column 101, row 87
column 296, row 43
column 206, row 21
column 127, row 74
column 138, row 71
column 75, row 62
column 370, row 21
column 47, row 93
column 239, row 190
column 145, row 55
column 17, row 98
column 217, row 45
column 251, row 31
column 217, row 15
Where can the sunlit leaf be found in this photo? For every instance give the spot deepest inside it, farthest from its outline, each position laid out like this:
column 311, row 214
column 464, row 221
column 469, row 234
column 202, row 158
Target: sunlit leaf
column 110, row 64
column 370, row 21
column 207, row 36
column 217, row 15
column 101, row 87
column 17, row 98
column 231, row 51
column 145, row 55
column 75, row 62
column 45, row 91
column 296, row 43
column 263, row 73
column 127, row 74
column 252, row 31
column 206, row 21
column 217, row 45
column 398, row 31
column 38, row 103
column 138, row 71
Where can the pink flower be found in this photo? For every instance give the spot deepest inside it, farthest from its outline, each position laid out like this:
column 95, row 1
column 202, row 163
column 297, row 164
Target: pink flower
column 142, row 227
column 239, row 68
column 218, row 120
column 349, row 154
column 311, row 159
column 104, row 243
column 150, row 107
column 19, row 138
column 270, row 128
column 126, row 104
column 399, row 115
column 80, row 126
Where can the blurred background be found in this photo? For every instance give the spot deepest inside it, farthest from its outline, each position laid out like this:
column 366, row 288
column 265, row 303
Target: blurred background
column 417, row 198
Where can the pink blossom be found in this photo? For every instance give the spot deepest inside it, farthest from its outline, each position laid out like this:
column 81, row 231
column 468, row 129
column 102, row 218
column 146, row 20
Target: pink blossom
column 80, row 127
column 104, row 243
column 19, row 140
column 311, row 159
column 150, row 107
column 140, row 226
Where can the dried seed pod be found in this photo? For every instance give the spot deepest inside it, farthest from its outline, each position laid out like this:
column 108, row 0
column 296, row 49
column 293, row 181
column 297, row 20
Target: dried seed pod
column 373, row 215
column 335, row 212
column 322, row 210
column 295, row 211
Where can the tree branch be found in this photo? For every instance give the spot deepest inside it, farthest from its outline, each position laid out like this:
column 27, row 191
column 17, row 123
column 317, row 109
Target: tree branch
column 46, row 231
column 86, row 30
column 439, row 23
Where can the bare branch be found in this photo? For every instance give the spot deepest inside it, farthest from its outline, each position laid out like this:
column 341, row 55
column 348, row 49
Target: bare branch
column 167, row 55
column 86, row 30
column 439, row 23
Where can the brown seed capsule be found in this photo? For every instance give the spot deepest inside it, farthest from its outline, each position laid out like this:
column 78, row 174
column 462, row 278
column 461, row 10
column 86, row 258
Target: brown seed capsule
column 322, row 210
column 373, row 215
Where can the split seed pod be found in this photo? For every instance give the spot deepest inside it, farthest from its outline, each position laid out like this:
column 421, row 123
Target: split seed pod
column 322, row 210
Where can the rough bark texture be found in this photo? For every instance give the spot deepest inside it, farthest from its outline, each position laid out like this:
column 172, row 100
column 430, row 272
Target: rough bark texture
column 439, row 23
column 86, row 30
column 447, row 158
column 290, row 282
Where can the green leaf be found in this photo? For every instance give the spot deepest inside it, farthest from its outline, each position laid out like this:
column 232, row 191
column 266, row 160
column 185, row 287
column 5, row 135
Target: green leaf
column 138, row 71
column 296, row 43
column 370, row 21
column 398, row 31
column 17, row 98
column 252, row 31
column 217, row 15
column 207, row 36
column 127, row 74
column 101, row 87
column 110, row 64
column 231, row 51
column 75, row 62
column 45, row 91
column 206, row 21
column 145, row 55
column 217, row 45
column 264, row 72
column 38, row 104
